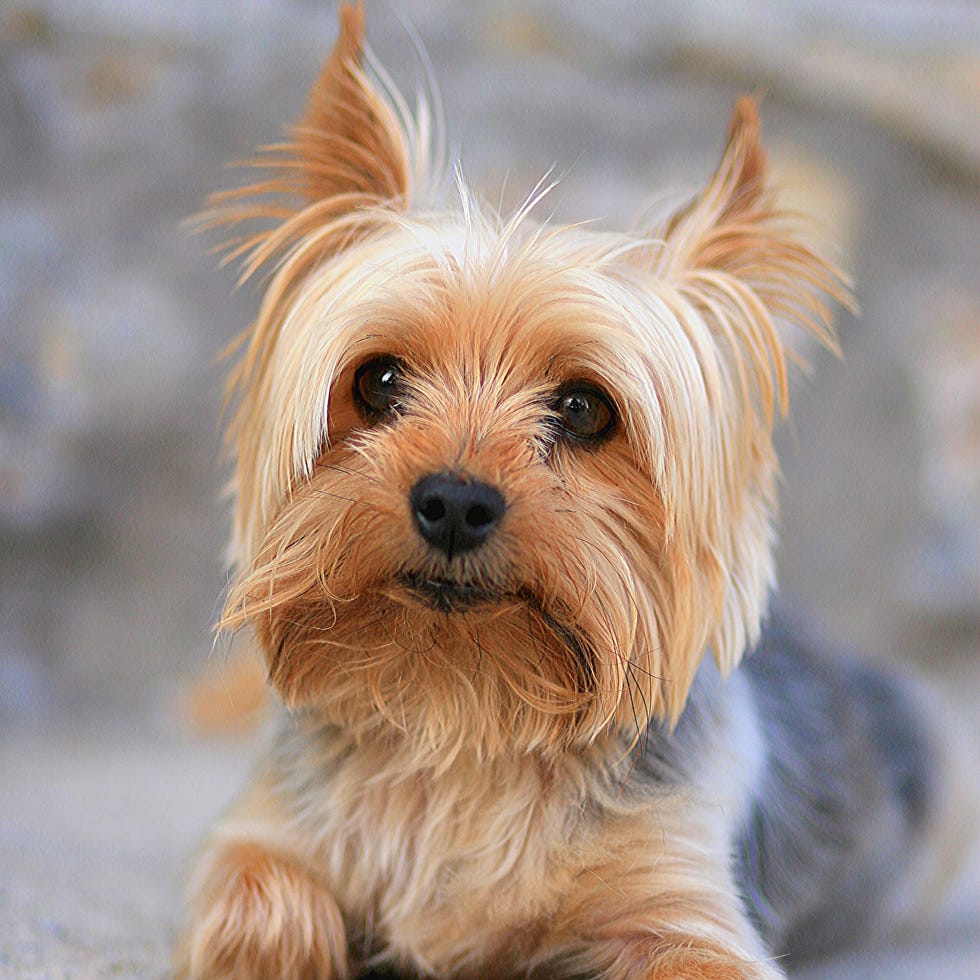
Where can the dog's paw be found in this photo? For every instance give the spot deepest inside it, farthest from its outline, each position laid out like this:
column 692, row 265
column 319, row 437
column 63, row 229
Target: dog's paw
column 682, row 958
column 259, row 915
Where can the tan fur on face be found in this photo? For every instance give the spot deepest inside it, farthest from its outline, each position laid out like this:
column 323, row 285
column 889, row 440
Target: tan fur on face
column 616, row 567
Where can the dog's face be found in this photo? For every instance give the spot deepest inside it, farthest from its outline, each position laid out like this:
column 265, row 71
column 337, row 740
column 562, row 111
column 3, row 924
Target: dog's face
column 498, row 484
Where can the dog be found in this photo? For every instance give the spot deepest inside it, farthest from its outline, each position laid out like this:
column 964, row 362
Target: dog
column 504, row 520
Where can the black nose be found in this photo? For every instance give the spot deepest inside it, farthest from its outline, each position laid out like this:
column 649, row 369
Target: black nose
column 453, row 514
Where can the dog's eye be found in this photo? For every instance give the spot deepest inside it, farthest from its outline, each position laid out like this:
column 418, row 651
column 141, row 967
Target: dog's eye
column 585, row 412
column 378, row 386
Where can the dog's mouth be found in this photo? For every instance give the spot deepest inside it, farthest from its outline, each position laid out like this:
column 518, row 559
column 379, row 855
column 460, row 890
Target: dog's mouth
column 446, row 595
column 452, row 596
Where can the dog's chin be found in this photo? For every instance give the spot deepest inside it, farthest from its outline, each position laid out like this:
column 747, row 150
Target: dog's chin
column 453, row 597
column 447, row 595
column 454, row 662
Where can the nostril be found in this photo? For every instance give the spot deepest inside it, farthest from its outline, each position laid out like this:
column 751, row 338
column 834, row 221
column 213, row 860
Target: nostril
column 479, row 516
column 433, row 510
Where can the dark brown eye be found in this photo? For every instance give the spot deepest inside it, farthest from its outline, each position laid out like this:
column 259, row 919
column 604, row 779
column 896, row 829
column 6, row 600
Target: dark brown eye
column 378, row 387
column 585, row 412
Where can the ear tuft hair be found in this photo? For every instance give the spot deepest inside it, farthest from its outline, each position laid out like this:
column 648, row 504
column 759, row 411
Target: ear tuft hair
column 349, row 141
column 349, row 154
column 735, row 251
column 748, row 161
column 737, row 264
column 355, row 156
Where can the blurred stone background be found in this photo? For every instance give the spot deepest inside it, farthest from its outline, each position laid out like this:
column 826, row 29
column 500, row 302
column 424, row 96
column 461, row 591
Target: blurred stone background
column 116, row 118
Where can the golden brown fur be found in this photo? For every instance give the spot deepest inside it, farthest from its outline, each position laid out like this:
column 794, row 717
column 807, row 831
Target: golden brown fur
column 452, row 794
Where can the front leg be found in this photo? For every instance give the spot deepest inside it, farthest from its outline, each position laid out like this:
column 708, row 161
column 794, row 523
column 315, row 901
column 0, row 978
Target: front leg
column 676, row 956
column 679, row 938
column 257, row 914
column 656, row 901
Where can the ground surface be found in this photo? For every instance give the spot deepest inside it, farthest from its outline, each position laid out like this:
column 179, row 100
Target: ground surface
column 115, row 120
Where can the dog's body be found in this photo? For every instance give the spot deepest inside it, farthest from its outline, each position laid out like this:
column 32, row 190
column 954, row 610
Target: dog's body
column 504, row 524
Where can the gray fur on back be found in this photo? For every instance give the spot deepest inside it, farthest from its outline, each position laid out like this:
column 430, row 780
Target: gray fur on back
column 846, row 790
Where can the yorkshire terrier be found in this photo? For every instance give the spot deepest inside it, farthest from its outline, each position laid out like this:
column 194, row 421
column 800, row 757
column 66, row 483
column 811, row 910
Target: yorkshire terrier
column 505, row 496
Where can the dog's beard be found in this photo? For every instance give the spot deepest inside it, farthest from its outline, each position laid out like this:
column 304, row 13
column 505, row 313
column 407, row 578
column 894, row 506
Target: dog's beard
column 358, row 624
column 502, row 673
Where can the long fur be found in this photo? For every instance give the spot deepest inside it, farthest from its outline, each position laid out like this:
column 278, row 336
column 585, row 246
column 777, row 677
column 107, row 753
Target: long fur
column 487, row 786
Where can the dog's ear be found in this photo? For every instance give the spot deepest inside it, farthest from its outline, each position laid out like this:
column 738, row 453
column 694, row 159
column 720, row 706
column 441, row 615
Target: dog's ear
column 709, row 233
column 742, row 261
column 349, row 142
column 735, row 267
column 350, row 162
column 350, row 154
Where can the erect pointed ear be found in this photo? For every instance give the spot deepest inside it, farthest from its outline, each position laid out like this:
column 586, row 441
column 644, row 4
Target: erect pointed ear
column 354, row 157
column 349, row 141
column 350, row 152
column 734, row 267
column 711, row 231
column 743, row 262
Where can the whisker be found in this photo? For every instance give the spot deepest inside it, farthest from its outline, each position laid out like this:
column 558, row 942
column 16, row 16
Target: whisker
column 347, row 471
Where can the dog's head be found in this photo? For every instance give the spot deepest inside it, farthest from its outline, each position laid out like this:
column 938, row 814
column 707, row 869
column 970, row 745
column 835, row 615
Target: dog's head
column 503, row 484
